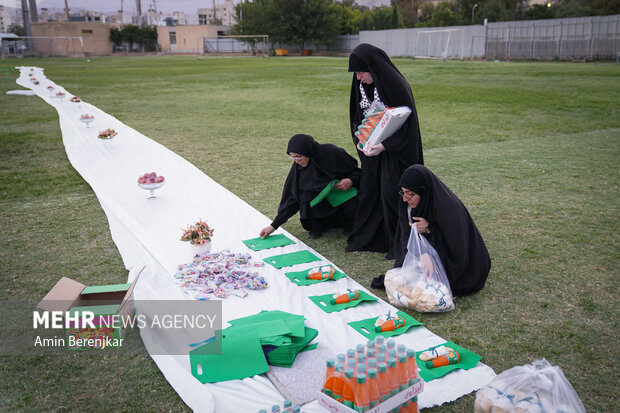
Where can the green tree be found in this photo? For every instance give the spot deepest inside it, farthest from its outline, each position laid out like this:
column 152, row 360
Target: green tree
column 383, row 17
column 17, row 29
column 495, row 11
column 605, row 7
column 445, row 14
column 426, row 14
column 538, row 12
column 571, row 8
column 349, row 18
column 289, row 21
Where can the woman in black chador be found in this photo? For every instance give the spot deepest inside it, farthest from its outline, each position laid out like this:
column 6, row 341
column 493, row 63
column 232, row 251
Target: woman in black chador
column 442, row 218
column 315, row 166
column 376, row 77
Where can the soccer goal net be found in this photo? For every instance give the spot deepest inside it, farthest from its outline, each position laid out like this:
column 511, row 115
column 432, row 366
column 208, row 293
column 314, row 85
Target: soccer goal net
column 242, row 44
column 441, row 44
column 41, row 46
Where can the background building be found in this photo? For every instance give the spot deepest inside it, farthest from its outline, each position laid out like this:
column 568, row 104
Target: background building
column 5, row 19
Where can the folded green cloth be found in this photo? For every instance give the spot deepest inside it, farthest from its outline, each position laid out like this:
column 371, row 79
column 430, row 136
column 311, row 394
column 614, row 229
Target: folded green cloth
column 301, row 277
column 285, row 354
column 367, row 327
column 272, row 241
column 335, row 197
column 228, row 357
column 324, row 301
column 292, row 258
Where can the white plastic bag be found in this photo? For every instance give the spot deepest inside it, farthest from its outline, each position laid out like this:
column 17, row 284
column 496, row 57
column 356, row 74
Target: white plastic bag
column 421, row 283
column 538, row 387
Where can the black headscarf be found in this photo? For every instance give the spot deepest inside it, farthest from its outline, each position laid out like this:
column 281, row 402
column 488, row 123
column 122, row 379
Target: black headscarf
column 453, row 233
column 375, row 223
column 327, row 162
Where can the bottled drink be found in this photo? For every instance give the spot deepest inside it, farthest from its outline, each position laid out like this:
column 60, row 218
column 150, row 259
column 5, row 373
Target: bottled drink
column 348, row 388
column 383, row 383
column 392, row 374
column 338, row 382
column 373, row 388
column 329, row 380
column 361, row 393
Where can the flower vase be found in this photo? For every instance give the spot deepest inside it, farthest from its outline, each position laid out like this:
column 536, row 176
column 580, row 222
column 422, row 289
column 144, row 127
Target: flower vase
column 201, row 249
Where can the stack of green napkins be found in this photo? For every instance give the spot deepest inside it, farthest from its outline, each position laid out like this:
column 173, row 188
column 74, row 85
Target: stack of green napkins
column 250, row 345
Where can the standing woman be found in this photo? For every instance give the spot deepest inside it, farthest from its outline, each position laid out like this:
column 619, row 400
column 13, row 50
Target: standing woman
column 440, row 216
column 376, row 78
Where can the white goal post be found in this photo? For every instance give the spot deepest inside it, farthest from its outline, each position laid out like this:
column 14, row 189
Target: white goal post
column 19, row 46
column 441, row 44
column 242, row 44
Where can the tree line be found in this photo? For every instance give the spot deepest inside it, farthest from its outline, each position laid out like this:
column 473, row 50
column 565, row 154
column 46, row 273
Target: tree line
column 320, row 21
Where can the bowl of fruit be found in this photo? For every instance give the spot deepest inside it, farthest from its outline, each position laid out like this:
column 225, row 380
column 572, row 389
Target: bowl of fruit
column 150, row 181
column 87, row 119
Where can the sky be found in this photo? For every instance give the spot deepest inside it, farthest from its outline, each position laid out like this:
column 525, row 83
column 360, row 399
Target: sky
column 166, row 6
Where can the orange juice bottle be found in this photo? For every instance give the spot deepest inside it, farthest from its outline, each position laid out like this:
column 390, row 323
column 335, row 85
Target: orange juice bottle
column 348, row 388
column 373, row 388
column 403, row 376
column 383, row 383
column 338, row 382
column 329, row 380
column 361, row 393
column 392, row 374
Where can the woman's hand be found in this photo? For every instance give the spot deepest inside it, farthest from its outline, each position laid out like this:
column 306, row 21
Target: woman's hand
column 375, row 150
column 427, row 266
column 265, row 232
column 344, row 184
column 421, row 225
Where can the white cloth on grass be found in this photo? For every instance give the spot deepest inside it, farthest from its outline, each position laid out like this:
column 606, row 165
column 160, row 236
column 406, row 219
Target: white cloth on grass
column 147, row 231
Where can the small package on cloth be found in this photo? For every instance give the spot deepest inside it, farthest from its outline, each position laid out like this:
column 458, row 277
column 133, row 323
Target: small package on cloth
column 421, row 284
column 537, row 387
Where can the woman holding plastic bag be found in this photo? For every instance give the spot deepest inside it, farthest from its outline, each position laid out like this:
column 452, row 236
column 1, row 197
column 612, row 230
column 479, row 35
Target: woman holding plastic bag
column 442, row 219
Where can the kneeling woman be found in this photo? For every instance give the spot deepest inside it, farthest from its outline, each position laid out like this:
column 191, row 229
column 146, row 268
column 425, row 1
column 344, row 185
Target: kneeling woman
column 445, row 222
column 315, row 166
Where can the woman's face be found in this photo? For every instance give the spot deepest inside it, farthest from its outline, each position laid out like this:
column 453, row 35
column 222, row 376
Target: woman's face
column 410, row 197
column 300, row 160
column 364, row 77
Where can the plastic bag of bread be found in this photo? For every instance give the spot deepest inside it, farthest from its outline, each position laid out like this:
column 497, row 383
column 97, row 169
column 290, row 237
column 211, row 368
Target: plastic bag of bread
column 421, row 284
column 538, row 387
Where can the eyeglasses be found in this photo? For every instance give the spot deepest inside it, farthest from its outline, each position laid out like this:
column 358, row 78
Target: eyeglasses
column 295, row 157
column 407, row 194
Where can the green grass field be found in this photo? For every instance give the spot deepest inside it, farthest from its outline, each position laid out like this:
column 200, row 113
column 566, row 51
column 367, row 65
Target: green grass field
column 532, row 149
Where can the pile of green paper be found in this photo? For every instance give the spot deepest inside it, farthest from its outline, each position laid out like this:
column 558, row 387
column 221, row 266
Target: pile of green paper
column 250, row 344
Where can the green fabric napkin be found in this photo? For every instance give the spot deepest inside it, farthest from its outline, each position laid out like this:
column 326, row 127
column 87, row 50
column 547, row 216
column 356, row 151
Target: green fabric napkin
column 300, row 277
column 284, row 355
column 335, row 197
column 324, row 301
column 270, row 332
column 292, row 258
column 228, row 357
column 468, row 360
column 294, row 322
column 272, row 241
column 367, row 327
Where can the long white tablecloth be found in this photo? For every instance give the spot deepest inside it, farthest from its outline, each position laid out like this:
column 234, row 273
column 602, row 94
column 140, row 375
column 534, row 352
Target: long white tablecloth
column 147, row 231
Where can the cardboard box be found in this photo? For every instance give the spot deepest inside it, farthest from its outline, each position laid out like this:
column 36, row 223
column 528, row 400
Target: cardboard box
column 334, row 406
column 281, row 52
column 390, row 122
column 106, row 303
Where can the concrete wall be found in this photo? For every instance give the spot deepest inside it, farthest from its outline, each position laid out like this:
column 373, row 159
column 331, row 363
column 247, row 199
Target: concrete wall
column 95, row 38
column 575, row 38
column 189, row 39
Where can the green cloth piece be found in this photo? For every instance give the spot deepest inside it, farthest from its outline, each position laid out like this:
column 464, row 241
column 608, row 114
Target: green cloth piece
column 292, row 258
column 300, row 277
column 241, row 356
column 367, row 327
column 285, row 355
column 468, row 360
column 272, row 241
column 294, row 322
column 324, row 301
column 335, row 197
column 93, row 289
column 270, row 332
